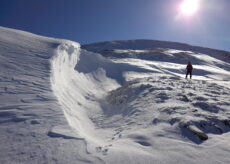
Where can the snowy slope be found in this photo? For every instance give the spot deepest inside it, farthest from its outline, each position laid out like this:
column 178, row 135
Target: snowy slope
column 112, row 102
column 33, row 127
column 159, row 111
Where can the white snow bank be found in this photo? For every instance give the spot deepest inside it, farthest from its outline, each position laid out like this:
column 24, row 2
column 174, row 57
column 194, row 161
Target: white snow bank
column 32, row 124
column 78, row 93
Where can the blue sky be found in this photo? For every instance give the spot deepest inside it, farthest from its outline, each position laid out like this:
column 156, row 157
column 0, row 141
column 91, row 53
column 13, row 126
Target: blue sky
column 88, row 21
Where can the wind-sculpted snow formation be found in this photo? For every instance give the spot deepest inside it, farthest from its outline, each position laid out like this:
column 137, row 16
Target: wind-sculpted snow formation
column 111, row 102
column 77, row 92
column 33, row 128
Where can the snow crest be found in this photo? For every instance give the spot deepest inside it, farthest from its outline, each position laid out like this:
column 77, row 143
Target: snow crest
column 32, row 124
column 78, row 92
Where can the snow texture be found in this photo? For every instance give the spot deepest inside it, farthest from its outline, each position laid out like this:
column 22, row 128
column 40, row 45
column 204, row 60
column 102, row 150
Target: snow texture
column 111, row 102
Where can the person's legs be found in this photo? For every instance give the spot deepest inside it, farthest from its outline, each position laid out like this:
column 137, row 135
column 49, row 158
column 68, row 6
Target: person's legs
column 190, row 74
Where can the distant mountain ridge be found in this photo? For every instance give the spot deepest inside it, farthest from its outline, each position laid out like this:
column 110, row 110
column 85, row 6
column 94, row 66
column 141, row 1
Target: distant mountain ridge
column 153, row 44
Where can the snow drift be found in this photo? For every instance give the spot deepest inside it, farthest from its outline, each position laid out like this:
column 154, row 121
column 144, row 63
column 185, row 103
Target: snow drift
column 111, row 102
column 77, row 92
column 33, row 127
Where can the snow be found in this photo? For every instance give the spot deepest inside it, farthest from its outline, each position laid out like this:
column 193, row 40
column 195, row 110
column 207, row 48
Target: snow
column 111, row 102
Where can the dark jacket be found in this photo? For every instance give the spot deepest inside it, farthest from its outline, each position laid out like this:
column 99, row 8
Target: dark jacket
column 189, row 67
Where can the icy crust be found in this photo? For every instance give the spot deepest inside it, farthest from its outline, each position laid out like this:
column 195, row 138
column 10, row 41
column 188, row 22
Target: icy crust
column 165, row 99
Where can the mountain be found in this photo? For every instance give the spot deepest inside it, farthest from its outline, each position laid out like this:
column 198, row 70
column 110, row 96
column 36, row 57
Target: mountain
column 111, row 102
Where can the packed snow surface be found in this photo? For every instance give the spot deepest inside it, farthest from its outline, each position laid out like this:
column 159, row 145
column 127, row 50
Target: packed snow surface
column 112, row 102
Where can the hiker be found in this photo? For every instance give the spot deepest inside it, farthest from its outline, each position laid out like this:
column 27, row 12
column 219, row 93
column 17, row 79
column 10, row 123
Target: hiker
column 189, row 70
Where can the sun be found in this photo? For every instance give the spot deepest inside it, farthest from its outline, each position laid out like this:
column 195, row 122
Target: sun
column 189, row 7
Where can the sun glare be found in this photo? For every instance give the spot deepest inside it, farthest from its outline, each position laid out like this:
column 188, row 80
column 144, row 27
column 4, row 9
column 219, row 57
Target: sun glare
column 189, row 7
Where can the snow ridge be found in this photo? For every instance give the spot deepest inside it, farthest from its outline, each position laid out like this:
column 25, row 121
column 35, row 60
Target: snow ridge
column 32, row 124
column 78, row 92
